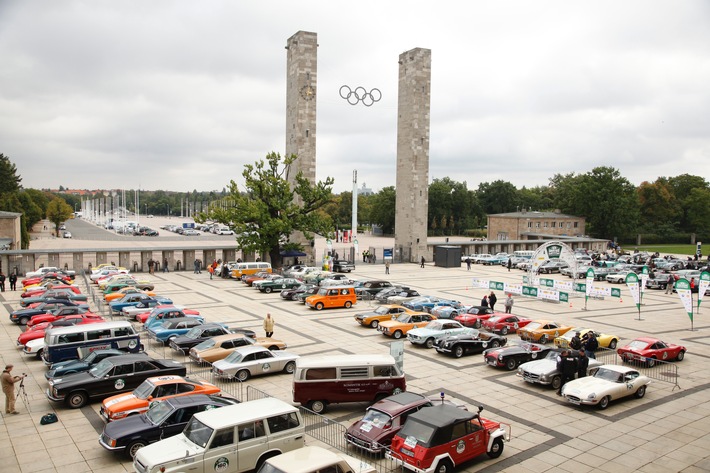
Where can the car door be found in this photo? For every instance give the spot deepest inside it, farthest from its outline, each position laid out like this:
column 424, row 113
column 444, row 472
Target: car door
column 221, row 454
column 175, row 424
column 467, row 441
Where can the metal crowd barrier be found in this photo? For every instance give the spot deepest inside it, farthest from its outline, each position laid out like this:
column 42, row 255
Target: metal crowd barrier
column 659, row 370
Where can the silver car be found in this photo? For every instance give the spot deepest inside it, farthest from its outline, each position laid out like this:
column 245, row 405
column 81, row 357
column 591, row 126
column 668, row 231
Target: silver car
column 245, row 362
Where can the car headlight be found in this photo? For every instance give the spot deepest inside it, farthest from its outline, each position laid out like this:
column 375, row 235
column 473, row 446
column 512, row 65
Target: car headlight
column 592, row 396
column 500, row 357
column 544, row 377
column 520, row 371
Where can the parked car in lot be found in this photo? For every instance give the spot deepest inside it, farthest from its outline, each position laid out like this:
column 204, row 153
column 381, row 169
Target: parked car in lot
column 544, row 371
column 505, row 323
column 608, row 383
column 398, row 328
column 218, row 348
column 371, row 288
column 291, row 294
column 648, row 350
column 23, row 316
column 542, row 331
column 343, row 266
column 475, row 315
column 199, row 334
column 552, row 266
column 313, row 458
column 661, row 281
column 380, row 314
column 604, row 340
column 254, row 360
column 277, row 284
column 469, row 343
column 618, row 278
column 190, row 232
column 514, row 354
column 436, row 330
column 63, row 368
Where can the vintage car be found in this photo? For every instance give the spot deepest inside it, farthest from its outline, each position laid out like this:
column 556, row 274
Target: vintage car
column 53, row 294
column 551, row 266
column 49, row 279
column 38, row 330
column 23, row 316
column 291, row 294
column 116, row 374
column 56, row 314
column 342, row 266
column 126, row 290
column 647, row 350
column 542, row 331
column 450, row 311
column 424, row 303
column 401, row 296
column 162, row 313
column 466, row 344
column 103, row 283
column 152, row 389
column 162, row 420
column 173, row 328
column 514, row 354
column 442, row 437
column 49, row 290
column 397, row 328
column 544, row 371
column 306, row 293
column 332, row 297
column 254, row 360
column 475, row 315
column 607, row 383
column 145, row 305
column 381, row 314
column 505, row 323
column 46, row 270
column 250, row 279
column 106, row 272
column 145, row 286
column 382, row 420
column 604, row 340
column 132, row 300
column 661, row 281
column 313, row 458
column 277, row 284
column 217, row 348
column 436, row 330
column 382, row 295
column 63, row 368
column 618, row 278
column 369, row 289
column 197, row 335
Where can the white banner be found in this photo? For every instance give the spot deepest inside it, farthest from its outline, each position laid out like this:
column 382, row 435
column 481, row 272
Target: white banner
column 480, row 283
column 515, row 288
column 632, row 281
column 567, row 286
column 703, row 286
column 549, row 294
column 682, row 286
column 598, row 291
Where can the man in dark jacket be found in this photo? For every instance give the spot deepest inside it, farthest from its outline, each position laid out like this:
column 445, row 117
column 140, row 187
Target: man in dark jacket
column 492, row 300
column 576, row 342
column 590, row 344
column 582, row 364
column 567, row 366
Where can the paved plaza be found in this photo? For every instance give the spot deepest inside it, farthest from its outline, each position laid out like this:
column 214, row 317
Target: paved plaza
column 666, row 431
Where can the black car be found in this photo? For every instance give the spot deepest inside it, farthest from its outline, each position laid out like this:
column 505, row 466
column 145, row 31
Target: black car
column 164, row 419
column 342, row 266
column 513, row 355
column 466, row 344
column 660, row 281
column 301, row 296
column 78, row 366
column 370, row 288
column 113, row 375
column 23, row 316
column 199, row 334
column 382, row 296
column 291, row 293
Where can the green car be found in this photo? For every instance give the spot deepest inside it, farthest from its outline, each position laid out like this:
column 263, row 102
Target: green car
column 120, row 285
column 268, row 286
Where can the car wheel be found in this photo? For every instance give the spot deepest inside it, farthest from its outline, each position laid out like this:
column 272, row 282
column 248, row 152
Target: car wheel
column 24, row 320
column 543, row 339
column 242, row 375
column 77, row 399
column 640, row 392
column 374, row 324
column 39, row 354
column 429, row 342
column 348, row 304
column 290, row 367
column 496, row 449
column 504, row 330
column 319, row 306
column 493, row 344
column 511, row 364
column 604, row 403
column 134, row 446
column 267, row 290
column 681, row 355
column 650, row 362
column 556, row 383
column 458, row 351
column 444, row 466
column 398, row 334
column 612, row 344
column 317, row 406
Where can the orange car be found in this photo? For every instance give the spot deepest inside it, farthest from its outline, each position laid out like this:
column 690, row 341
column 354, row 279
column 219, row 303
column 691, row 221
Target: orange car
column 217, row 348
column 114, row 296
column 152, row 389
column 249, row 280
column 399, row 327
column 542, row 331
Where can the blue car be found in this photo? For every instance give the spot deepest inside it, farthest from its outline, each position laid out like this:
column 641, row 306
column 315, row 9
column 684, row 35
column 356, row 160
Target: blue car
column 63, row 368
column 129, row 300
column 162, row 314
column 425, row 304
column 173, row 328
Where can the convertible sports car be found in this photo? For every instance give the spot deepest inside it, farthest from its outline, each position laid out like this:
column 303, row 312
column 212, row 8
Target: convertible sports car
column 466, row 344
column 505, row 323
column 152, row 389
column 648, row 350
column 436, row 330
column 605, row 340
column 381, row 314
column 397, row 328
column 544, row 371
column 475, row 315
column 514, row 354
column 254, row 360
column 542, row 331
column 608, row 383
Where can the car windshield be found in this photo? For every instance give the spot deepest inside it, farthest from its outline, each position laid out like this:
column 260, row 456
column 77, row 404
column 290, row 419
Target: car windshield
column 381, row 310
column 377, row 418
column 194, row 333
column 414, row 431
column 234, row 357
column 102, row 369
column 533, row 326
column 144, row 390
column 207, row 344
column 90, row 357
column 404, row 318
column 608, row 375
column 433, row 325
column 158, row 412
column 637, row 345
column 552, row 355
column 322, row 292
column 198, row 433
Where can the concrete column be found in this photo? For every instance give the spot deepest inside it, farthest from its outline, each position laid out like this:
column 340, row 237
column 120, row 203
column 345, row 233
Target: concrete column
column 229, row 255
column 124, row 260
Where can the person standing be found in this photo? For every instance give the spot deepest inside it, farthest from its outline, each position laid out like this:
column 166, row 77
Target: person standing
column 510, row 262
column 575, row 343
column 210, row 269
column 2, row 281
column 468, row 263
column 269, row 325
column 484, row 301
column 422, row 262
column 13, row 281
column 669, row 285
column 591, row 344
column 151, row 265
column 8, row 388
column 582, row 364
column 492, row 299
column 567, row 366
column 387, row 267
column 509, row 304
column 197, row 266
column 165, row 265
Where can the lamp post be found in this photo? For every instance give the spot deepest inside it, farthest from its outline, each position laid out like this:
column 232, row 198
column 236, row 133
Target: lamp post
column 146, row 210
column 168, row 207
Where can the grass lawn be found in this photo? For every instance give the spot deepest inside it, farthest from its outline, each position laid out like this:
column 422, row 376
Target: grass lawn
column 666, row 249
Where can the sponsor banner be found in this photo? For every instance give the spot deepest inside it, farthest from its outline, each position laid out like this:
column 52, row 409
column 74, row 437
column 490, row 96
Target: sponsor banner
column 644, row 279
column 544, row 282
column 703, row 286
column 480, row 283
column 549, row 294
column 514, row 288
column 530, row 291
column 496, row 286
column 590, row 281
column 632, row 281
column 564, row 285
column 682, row 286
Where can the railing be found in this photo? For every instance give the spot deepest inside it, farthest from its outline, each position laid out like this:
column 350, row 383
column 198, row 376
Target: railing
column 659, row 370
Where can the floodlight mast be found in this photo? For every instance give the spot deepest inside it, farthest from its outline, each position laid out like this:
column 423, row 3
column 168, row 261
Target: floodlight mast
column 354, row 218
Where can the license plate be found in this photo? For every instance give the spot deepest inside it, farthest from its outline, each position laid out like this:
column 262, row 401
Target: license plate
column 574, row 401
column 409, row 453
column 492, row 362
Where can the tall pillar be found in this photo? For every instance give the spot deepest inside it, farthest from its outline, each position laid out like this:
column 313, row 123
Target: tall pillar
column 413, row 116
column 301, row 88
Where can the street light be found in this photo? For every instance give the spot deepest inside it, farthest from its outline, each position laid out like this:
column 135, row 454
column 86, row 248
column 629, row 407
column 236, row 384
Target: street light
column 168, row 207
column 146, row 210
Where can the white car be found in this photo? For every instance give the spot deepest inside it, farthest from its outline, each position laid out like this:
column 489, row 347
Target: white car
column 254, row 360
column 41, row 272
column 618, row 278
column 67, row 235
column 314, row 458
column 224, row 231
column 545, row 371
column 608, row 383
column 436, row 330
column 190, row 232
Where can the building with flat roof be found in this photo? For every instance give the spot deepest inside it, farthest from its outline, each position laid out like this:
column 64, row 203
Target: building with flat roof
column 534, row 225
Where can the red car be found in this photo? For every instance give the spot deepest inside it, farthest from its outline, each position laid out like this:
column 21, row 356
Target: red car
column 38, row 291
column 505, row 323
column 649, row 350
column 475, row 315
column 144, row 316
column 38, row 330
column 48, row 278
column 57, row 314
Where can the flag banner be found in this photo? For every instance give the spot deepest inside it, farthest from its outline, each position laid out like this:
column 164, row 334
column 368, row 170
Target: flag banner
column 590, row 281
column 357, row 246
column 644, row 279
column 682, row 287
column 632, row 281
column 703, row 286
column 564, row 285
column 515, row 288
column 480, row 283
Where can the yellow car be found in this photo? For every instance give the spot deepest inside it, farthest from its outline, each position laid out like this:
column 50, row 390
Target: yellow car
column 381, row 314
column 126, row 290
column 542, row 331
column 605, row 340
column 398, row 328
column 217, row 348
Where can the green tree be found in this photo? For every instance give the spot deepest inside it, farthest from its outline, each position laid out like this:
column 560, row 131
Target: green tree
column 270, row 211
column 498, row 197
column 383, row 205
column 658, row 206
column 683, row 187
column 9, row 180
column 536, row 198
column 699, row 211
column 58, row 211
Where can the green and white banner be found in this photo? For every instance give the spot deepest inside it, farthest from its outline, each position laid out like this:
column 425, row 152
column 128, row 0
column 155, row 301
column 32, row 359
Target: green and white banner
column 590, row 281
column 703, row 286
column 632, row 281
column 682, row 286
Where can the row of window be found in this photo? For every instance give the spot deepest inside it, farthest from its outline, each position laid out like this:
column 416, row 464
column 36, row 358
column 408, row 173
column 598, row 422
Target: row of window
column 554, row 224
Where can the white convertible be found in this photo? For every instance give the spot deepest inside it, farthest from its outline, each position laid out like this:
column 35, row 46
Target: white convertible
column 608, row 383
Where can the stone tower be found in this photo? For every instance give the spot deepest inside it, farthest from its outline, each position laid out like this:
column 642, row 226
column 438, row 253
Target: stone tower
column 413, row 115
column 301, row 87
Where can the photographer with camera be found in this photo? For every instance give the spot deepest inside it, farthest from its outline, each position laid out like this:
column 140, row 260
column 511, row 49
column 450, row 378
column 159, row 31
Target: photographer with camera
column 8, row 388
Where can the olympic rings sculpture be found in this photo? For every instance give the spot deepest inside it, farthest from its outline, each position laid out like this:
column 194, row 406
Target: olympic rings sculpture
column 360, row 94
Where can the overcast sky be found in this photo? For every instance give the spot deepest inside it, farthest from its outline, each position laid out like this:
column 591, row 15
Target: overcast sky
column 179, row 95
